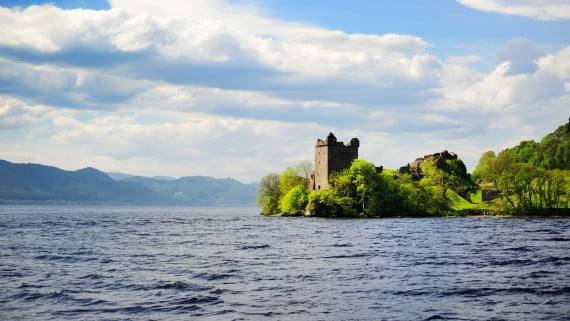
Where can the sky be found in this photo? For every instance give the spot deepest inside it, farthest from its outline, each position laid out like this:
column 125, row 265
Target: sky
column 241, row 88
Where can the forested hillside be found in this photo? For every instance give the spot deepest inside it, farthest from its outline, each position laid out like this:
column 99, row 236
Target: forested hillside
column 531, row 177
column 552, row 152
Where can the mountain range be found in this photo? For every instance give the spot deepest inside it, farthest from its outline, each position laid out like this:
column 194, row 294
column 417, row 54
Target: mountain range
column 41, row 184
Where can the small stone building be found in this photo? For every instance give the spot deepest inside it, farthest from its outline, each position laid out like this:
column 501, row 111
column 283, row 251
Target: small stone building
column 332, row 156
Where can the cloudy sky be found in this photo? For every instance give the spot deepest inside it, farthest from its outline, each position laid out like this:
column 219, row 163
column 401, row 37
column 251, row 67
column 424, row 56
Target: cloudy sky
column 239, row 88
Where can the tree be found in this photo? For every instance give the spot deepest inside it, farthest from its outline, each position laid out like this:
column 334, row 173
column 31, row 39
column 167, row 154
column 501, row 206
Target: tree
column 295, row 201
column 366, row 181
column 304, row 169
column 290, row 178
column 523, row 177
column 268, row 194
column 484, row 161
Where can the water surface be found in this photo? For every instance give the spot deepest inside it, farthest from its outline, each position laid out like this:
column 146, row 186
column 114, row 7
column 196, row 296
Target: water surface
column 141, row 263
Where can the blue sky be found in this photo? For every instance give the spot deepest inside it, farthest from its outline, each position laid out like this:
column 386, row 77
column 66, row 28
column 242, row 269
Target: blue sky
column 238, row 88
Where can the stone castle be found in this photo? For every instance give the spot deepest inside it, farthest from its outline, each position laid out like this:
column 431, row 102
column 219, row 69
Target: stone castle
column 332, row 156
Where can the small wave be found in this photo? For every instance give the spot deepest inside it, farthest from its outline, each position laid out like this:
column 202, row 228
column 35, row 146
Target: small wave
column 558, row 239
column 88, row 223
column 342, row 245
column 63, row 258
column 563, row 290
column 347, row 256
column 517, row 262
column 180, row 285
column 199, row 300
column 51, row 296
column 213, row 276
column 30, row 286
column 540, row 274
column 92, row 276
column 8, row 274
column 481, row 292
column 557, row 261
column 252, row 247
column 519, row 249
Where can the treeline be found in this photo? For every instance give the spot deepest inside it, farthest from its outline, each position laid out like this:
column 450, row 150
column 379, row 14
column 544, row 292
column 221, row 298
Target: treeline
column 362, row 191
column 530, row 178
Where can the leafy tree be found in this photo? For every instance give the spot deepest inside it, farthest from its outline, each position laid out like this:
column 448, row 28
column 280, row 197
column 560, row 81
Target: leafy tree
column 553, row 188
column 484, row 161
column 295, row 201
column 290, row 178
column 366, row 182
column 523, row 176
column 327, row 203
column 304, row 169
column 269, row 193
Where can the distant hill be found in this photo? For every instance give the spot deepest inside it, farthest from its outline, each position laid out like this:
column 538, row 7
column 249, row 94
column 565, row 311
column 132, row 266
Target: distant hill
column 35, row 183
column 119, row 176
column 201, row 190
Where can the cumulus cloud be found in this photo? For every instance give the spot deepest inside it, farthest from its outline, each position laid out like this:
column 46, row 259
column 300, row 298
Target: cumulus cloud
column 536, row 9
column 508, row 86
column 14, row 113
column 184, row 48
column 463, row 60
column 521, row 55
column 217, row 88
column 67, row 87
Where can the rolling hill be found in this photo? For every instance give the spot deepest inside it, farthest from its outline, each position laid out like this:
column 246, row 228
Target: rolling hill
column 39, row 184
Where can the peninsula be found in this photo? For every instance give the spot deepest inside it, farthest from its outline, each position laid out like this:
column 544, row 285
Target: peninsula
column 529, row 179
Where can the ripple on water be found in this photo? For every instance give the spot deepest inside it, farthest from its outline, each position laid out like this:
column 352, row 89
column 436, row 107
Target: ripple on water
column 176, row 264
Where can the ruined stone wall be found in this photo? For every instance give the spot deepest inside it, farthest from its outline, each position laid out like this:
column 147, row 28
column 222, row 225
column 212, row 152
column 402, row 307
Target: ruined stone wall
column 414, row 168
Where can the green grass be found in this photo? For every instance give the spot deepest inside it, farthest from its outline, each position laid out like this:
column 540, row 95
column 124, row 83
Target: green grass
column 459, row 204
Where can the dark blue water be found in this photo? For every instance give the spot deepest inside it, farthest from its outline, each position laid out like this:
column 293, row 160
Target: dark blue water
column 126, row 263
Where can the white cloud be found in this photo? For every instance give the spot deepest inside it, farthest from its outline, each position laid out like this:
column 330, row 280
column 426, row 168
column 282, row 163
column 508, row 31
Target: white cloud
column 219, row 89
column 183, row 33
column 463, row 60
column 14, row 113
column 504, row 90
column 521, row 55
column 536, row 9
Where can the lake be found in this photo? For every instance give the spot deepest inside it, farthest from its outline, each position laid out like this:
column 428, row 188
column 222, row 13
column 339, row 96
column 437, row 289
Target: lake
column 156, row 263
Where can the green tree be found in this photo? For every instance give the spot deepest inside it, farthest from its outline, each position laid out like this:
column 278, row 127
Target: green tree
column 327, row 203
column 295, row 201
column 523, row 177
column 484, row 161
column 552, row 188
column 290, row 178
column 367, row 187
column 268, row 194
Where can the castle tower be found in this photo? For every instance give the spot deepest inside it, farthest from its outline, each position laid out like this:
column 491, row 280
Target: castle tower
column 332, row 156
